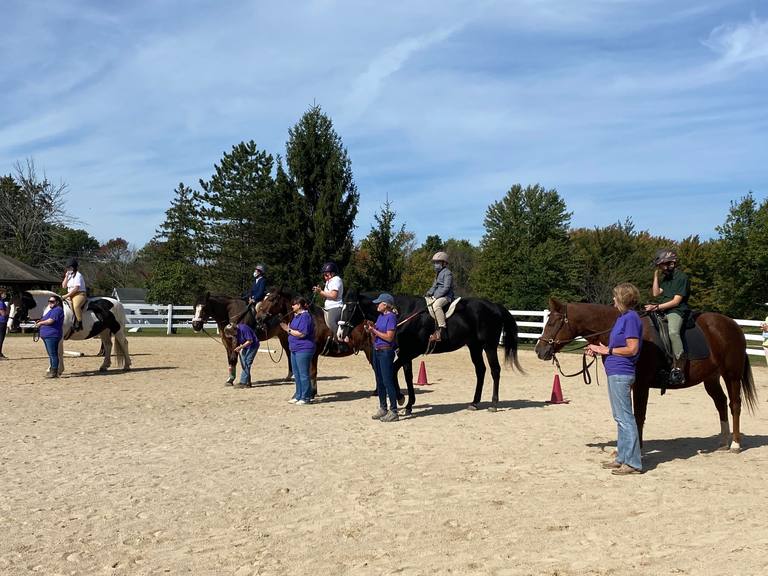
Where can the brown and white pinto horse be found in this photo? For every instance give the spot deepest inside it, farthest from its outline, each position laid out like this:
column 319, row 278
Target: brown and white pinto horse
column 727, row 359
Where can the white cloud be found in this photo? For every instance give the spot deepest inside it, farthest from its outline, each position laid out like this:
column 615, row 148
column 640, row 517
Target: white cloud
column 740, row 44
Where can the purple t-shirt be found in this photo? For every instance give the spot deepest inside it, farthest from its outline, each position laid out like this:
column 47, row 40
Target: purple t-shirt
column 3, row 317
column 385, row 323
column 628, row 325
column 53, row 330
column 245, row 333
column 303, row 323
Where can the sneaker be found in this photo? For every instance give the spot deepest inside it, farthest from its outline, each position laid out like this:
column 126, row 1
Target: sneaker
column 625, row 469
column 380, row 413
column 51, row 375
column 242, row 385
column 302, row 402
column 611, row 464
column 390, row 416
column 293, row 400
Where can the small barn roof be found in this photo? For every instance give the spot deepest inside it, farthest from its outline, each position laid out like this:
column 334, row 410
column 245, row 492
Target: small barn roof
column 16, row 273
column 130, row 295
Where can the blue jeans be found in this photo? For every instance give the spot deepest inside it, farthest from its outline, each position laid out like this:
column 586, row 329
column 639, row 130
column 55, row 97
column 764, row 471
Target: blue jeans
column 385, row 377
column 300, row 362
column 52, row 347
column 628, row 440
column 246, row 359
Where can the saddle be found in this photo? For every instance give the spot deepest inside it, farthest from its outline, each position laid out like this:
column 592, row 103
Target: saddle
column 451, row 307
column 694, row 344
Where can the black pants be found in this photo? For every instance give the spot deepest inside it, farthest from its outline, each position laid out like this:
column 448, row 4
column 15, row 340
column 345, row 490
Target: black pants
column 2, row 335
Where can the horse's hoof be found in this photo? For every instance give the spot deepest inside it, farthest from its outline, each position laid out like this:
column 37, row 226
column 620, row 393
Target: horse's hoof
column 735, row 448
column 400, row 400
column 472, row 407
column 492, row 409
column 102, row 369
column 722, row 448
column 408, row 411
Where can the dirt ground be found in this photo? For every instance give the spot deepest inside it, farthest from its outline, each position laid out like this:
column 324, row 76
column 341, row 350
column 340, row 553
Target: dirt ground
column 163, row 470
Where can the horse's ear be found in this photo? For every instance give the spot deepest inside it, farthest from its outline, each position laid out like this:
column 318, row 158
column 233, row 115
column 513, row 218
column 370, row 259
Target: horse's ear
column 555, row 305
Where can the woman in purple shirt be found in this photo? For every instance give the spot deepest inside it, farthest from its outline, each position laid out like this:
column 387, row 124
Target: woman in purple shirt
column 246, row 346
column 384, row 356
column 51, row 331
column 620, row 358
column 301, row 343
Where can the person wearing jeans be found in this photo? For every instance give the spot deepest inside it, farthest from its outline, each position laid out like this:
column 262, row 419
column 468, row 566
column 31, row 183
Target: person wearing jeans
column 383, row 332
column 51, row 331
column 301, row 343
column 620, row 358
column 3, row 320
column 247, row 344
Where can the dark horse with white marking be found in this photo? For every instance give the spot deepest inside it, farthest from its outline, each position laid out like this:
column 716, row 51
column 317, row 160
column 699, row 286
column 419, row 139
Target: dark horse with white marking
column 229, row 310
column 102, row 317
column 476, row 323
column 276, row 308
column 727, row 359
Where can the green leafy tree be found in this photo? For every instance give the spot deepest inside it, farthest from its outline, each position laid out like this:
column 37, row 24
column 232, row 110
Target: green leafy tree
column 463, row 258
column 174, row 252
column 526, row 253
column 380, row 260
column 697, row 259
column 68, row 242
column 318, row 165
column 232, row 203
column 741, row 259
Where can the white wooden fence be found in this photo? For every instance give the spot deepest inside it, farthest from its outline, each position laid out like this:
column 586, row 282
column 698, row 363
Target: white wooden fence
column 172, row 316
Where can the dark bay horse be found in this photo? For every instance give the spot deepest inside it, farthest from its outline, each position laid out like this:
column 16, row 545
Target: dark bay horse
column 727, row 359
column 225, row 310
column 476, row 323
column 276, row 308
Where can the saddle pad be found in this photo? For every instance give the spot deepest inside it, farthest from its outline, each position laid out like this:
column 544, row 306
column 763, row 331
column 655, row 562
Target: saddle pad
column 452, row 308
column 694, row 342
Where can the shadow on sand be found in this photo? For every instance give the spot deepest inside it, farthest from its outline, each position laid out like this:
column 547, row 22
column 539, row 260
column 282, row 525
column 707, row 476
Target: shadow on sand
column 657, row 452
column 113, row 370
column 441, row 409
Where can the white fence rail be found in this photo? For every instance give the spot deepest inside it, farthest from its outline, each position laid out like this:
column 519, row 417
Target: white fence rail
column 171, row 316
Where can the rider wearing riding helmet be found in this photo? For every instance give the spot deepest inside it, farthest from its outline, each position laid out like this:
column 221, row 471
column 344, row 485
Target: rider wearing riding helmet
column 333, row 292
column 440, row 294
column 259, row 286
column 673, row 287
column 75, row 285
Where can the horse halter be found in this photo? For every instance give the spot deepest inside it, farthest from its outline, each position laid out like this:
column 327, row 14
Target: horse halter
column 345, row 325
column 563, row 322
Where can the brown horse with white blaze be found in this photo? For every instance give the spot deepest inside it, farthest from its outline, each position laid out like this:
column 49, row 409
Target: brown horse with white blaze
column 727, row 359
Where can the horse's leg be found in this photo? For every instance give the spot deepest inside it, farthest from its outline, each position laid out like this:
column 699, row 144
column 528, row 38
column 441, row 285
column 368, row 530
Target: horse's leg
column 313, row 373
column 231, row 358
column 476, row 353
column 408, row 375
column 734, row 392
column 61, row 357
column 492, row 354
column 106, row 340
column 640, row 404
column 715, row 391
column 396, row 365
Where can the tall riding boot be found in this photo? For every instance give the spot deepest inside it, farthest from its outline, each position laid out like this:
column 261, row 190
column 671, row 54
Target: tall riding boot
column 677, row 375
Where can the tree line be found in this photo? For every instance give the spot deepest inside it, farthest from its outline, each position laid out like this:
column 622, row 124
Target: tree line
column 295, row 211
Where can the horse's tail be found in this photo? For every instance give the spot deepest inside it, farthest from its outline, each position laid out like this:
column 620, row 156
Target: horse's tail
column 748, row 386
column 510, row 339
column 121, row 342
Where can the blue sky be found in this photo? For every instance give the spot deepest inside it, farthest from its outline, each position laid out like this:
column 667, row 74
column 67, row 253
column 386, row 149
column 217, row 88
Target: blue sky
column 654, row 110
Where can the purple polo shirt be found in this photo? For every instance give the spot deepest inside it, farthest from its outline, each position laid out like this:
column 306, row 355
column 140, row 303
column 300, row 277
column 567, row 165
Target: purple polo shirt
column 245, row 333
column 53, row 330
column 385, row 323
column 4, row 317
column 628, row 325
column 302, row 322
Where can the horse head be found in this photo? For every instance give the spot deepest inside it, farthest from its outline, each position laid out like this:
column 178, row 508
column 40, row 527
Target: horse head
column 277, row 302
column 356, row 308
column 557, row 331
column 21, row 304
column 201, row 311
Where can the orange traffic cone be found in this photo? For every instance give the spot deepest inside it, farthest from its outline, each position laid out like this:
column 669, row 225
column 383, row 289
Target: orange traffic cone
column 557, row 392
column 422, row 381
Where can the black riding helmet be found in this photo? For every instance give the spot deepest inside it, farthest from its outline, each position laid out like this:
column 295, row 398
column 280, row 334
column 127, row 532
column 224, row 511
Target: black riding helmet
column 330, row 267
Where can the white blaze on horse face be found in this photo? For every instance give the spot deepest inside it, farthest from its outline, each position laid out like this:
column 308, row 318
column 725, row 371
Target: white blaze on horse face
column 198, row 313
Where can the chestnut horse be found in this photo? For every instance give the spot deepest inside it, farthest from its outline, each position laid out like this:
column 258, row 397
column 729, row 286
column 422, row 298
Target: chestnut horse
column 230, row 310
column 727, row 359
column 276, row 308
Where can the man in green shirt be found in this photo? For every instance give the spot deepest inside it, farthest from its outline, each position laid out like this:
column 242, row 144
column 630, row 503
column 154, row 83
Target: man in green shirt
column 673, row 288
